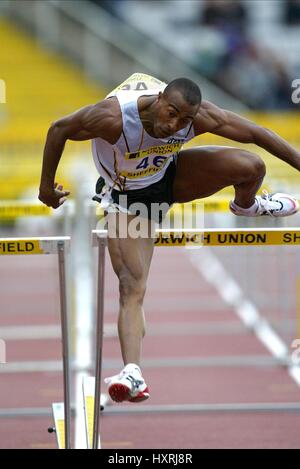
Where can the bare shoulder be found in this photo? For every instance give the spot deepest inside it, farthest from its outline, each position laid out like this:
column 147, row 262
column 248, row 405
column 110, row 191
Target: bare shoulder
column 104, row 119
column 209, row 117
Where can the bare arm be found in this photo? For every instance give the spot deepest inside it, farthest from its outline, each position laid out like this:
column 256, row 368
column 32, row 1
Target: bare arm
column 234, row 127
column 99, row 120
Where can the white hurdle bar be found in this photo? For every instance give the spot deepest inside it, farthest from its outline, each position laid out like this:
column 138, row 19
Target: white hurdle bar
column 51, row 245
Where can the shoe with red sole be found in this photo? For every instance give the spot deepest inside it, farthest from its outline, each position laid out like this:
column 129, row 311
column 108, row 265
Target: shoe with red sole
column 128, row 385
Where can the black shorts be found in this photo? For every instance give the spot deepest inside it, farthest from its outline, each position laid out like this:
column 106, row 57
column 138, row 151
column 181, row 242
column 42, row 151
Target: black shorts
column 160, row 192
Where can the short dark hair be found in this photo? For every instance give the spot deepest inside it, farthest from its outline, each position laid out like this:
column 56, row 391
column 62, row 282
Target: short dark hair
column 188, row 88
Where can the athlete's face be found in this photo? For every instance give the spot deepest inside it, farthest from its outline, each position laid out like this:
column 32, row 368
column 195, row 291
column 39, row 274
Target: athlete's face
column 173, row 114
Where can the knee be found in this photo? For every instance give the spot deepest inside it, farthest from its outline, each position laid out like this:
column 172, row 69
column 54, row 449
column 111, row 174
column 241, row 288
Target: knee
column 131, row 289
column 252, row 166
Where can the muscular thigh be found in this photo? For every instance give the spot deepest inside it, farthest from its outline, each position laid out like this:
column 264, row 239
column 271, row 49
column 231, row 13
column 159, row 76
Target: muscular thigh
column 203, row 171
column 130, row 257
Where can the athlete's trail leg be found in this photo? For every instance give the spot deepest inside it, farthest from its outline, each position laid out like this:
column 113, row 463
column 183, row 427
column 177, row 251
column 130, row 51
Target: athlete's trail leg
column 131, row 259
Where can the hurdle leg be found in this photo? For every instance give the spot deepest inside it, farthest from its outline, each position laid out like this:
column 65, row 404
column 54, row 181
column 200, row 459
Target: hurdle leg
column 59, row 424
column 65, row 344
column 99, row 339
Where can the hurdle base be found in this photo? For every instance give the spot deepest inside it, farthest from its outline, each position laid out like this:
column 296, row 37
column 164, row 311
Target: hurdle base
column 88, row 389
column 58, row 410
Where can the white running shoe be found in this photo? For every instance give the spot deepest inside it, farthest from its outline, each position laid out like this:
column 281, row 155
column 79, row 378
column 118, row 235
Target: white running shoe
column 128, row 385
column 274, row 205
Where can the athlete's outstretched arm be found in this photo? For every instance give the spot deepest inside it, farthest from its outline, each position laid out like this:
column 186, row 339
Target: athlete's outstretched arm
column 98, row 120
column 234, row 127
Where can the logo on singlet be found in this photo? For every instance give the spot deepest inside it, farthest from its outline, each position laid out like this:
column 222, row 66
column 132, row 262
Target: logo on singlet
column 176, row 140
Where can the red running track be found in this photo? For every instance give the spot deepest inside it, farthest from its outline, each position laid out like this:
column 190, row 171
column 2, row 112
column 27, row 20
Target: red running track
column 186, row 321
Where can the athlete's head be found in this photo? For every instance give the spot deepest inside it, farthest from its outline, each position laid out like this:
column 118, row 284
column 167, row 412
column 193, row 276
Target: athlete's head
column 177, row 106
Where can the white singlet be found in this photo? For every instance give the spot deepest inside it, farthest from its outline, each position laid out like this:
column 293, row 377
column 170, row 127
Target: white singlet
column 137, row 159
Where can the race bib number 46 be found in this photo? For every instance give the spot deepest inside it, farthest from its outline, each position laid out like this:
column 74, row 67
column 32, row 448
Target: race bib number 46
column 146, row 167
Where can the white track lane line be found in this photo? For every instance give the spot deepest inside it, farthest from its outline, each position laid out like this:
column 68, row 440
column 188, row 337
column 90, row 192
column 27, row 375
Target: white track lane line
column 209, row 266
column 30, row 332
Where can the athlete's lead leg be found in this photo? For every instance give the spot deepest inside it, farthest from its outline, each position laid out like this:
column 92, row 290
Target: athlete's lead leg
column 203, row 171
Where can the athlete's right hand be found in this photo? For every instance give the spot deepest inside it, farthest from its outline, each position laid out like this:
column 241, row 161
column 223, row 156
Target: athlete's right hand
column 54, row 197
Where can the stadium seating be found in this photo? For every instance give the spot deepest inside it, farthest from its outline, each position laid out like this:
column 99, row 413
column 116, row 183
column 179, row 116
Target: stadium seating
column 40, row 87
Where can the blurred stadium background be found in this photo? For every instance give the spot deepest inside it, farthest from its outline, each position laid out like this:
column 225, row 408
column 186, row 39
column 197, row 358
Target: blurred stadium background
column 57, row 56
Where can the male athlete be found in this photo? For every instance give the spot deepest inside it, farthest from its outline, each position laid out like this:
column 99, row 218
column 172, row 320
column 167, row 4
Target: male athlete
column 137, row 133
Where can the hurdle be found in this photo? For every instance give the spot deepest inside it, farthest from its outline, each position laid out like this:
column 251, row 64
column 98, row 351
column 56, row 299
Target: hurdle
column 164, row 238
column 51, row 245
column 12, row 210
column 193, row 238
